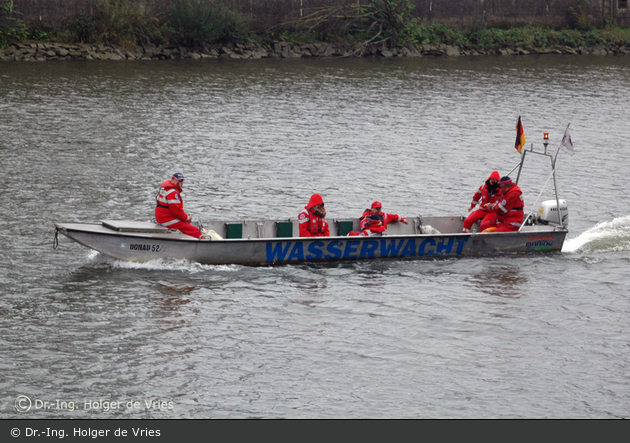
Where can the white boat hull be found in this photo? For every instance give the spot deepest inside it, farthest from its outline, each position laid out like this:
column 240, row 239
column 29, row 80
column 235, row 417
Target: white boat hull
column 257, row 247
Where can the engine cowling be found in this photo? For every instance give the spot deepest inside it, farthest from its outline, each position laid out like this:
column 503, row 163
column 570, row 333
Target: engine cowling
column 548, row 213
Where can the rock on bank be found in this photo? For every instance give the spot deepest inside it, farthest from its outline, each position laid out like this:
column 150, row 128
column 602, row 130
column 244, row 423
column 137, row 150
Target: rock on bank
column 61, row 51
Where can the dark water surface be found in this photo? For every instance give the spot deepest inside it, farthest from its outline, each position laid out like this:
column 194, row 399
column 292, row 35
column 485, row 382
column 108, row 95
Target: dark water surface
column 543, row 336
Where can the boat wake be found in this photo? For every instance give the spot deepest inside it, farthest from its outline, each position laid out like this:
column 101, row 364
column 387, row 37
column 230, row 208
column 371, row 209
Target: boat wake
column 610, row 236
column 159, row 264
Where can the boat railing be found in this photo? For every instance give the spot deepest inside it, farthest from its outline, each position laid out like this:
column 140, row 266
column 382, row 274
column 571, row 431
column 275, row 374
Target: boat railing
column 529, row 217
column 287, row 228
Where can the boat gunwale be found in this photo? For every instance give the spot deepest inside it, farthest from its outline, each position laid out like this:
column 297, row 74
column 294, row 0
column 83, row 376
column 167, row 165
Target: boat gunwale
column 163, row 236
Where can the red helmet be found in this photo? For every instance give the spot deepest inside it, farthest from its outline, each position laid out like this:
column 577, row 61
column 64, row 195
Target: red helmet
column 377, row 205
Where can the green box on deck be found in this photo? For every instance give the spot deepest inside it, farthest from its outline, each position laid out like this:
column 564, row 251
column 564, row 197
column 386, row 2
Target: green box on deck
column 285, row 229
column 344, row 227
column 234, row 230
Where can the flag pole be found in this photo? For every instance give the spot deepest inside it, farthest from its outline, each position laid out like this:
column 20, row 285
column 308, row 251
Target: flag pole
column 555, row 184
column 519, row 144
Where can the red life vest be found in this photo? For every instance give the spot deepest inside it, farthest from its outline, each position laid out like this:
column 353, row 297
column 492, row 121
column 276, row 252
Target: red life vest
column 311, row 224
column 370, row 226
column 169, row 207
column 510, row 209
column 487, row 193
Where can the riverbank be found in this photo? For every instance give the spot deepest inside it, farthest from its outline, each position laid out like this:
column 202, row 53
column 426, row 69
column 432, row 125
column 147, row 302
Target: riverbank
column 39, row 51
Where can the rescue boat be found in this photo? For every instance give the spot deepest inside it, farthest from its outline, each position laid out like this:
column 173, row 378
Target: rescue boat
column 275, row 242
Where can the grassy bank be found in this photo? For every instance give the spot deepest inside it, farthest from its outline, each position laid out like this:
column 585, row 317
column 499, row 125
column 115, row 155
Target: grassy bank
column 383, row 23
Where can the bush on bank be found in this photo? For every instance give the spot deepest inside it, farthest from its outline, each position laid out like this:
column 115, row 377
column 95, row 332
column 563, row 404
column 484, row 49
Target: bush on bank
column 195, row 23
column 123, row 23
column 391, row 23
column 11, row 26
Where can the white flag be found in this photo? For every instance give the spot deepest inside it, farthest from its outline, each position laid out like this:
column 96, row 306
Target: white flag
column 566, row 144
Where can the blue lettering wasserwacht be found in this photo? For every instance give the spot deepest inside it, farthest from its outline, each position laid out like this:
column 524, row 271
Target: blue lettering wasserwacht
column 314, row 249
column 350, row 249
column 410, row 248
column 333, row 250
column 277, row 253
column 460, row 244
column 445, row 246
column 423, row 247
column 390, row 248
column 297, row 252
column 367, row 248
column 364, row 248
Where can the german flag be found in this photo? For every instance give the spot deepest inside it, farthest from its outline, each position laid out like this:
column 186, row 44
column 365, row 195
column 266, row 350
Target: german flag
column 520, row 136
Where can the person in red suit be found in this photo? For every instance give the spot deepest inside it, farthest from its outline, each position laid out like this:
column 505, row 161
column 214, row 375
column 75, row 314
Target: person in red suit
column 312, row 220
column 509, row 209
column 374, row 221
column 489, row 192
column 169, row 209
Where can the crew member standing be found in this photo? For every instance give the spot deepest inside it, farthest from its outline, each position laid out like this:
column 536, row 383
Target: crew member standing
column 312, row 219
column 489, row 192
column 169, row 210
column 509, row 209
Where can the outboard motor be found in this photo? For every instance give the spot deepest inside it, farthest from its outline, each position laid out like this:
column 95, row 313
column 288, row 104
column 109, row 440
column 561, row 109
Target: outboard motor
column 548, row 213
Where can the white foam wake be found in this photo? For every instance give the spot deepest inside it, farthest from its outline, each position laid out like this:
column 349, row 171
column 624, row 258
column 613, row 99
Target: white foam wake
column 160, row 264
column 609, row 236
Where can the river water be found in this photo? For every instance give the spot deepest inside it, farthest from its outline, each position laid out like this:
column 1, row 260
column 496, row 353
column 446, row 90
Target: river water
column 536, row 336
